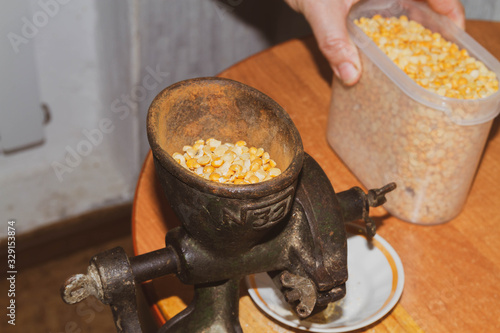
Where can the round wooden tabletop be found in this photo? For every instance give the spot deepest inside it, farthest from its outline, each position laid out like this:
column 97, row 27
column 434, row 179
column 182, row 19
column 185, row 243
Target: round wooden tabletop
column 452, row 270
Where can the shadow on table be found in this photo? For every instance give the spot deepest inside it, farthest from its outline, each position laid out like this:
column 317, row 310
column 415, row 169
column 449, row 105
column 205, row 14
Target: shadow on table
column 322, row 64
column 495, row 128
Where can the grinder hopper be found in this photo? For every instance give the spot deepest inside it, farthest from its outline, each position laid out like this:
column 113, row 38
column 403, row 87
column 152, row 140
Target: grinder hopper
column 291, row 226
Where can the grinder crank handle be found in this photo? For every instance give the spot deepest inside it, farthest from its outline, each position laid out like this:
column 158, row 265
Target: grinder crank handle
column 111, row 277
column 356, row 205
column 376, row 197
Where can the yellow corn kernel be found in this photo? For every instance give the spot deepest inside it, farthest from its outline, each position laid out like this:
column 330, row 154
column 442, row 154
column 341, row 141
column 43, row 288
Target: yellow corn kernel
column 422, row 54
column 236, row 168
column 274, row 172
column 198, row 145
column 261, row 174
column 208, row 169
column 179, row 158
column 248, row 175
column 191, row 152
column 256, row 164
column 217, row 162
column 229, row 156
column 214, row 177
column 219, row 151
column 462, row 81
column 227, row 163
column 204, row 160
column 253, row 179
column 192, row 164
column 265, row 157
column 240, row 143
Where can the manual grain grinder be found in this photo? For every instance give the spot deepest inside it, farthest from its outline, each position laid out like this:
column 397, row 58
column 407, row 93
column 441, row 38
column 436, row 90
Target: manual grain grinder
column 292, row 226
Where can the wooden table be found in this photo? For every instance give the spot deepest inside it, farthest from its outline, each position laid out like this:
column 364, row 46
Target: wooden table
column 452, row 270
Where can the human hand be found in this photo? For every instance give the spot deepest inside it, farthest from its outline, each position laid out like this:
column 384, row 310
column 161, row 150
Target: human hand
column 328, row 22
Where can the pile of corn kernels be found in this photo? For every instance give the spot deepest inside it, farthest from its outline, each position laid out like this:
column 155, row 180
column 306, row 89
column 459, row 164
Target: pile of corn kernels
column 228, row 163
column 431, row 61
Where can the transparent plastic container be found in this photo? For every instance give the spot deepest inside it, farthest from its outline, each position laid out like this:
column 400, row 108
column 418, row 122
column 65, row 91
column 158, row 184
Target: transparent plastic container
column 387, row 128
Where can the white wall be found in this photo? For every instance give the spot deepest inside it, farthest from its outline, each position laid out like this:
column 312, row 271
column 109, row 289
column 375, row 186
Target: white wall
column 482, row 9
column 81, row 68
column 193, row 38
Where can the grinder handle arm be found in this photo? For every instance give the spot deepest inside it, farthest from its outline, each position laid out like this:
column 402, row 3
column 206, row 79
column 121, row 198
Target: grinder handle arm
column 111, row 277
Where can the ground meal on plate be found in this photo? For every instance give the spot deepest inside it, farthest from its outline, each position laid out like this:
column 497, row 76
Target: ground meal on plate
column 431, row 61
column 228, row 163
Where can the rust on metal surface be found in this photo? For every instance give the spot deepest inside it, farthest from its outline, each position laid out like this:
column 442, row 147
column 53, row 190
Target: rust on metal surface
column 292, row 226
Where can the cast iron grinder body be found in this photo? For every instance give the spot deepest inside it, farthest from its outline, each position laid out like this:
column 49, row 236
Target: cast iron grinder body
column 292, row 226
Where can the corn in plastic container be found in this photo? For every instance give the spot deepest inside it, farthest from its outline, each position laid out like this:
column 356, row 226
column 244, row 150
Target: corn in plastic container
column 387, row 128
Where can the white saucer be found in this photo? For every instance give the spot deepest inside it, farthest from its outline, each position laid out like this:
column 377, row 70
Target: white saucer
column 375, row 284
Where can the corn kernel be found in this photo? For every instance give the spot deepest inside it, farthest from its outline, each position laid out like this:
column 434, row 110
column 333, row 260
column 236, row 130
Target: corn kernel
column 274, row 172
column 198, row 145
column 214, row 176
column 256, row 165
column 217, row 162
column 179, row 158
column 203, row 160
column 236, row 168
column 228, row 163
column 191, row 152
column 248, row 175
column 253, row 179
column 462, row 81
column 261, row 174
column 265, row 157
column 416, row 50
column 208, row 169
column 240, row 143
column 219, row 151
column 229, row 157
column 192, row 164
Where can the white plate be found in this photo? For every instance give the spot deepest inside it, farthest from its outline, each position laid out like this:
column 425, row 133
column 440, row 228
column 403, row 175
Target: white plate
column 375, row 283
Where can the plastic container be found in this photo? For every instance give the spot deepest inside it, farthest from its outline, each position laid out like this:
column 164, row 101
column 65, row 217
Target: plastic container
column 387, row 128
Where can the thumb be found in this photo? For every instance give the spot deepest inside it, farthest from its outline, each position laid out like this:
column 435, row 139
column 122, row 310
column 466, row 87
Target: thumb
column 328, row 22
